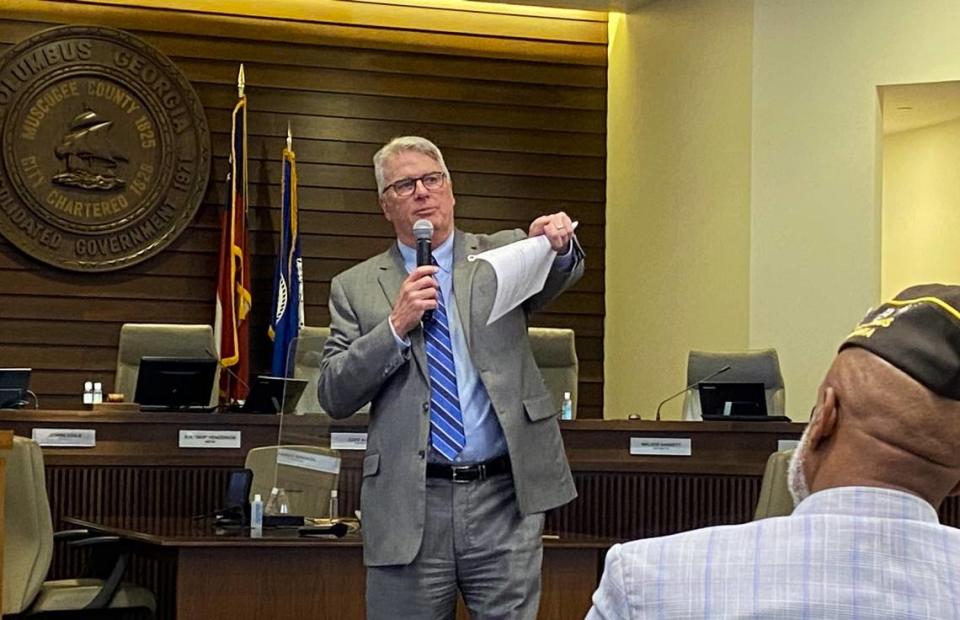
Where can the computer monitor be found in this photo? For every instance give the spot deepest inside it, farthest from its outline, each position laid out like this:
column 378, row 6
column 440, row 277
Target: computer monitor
column 235, row 506
column 175, row 383
column 733, row 401
column 14, row 383
column 273, row 394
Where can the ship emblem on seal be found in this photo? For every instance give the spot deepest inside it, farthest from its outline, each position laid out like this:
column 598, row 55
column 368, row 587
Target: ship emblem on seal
column 91, row 161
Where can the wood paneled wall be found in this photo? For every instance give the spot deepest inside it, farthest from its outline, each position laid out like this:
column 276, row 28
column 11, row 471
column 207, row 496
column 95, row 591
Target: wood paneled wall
column 515, row 97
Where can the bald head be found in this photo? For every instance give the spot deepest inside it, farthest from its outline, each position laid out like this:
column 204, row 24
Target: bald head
column 875, row 426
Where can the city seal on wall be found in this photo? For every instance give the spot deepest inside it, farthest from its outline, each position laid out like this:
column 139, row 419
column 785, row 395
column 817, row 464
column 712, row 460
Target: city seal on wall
column 106, row 150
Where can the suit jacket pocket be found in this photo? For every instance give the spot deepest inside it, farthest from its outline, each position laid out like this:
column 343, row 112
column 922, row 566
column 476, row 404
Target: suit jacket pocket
column 371, row 465
column 540, row 407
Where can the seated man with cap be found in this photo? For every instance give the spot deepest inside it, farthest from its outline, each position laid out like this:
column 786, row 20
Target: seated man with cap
column 881, row 452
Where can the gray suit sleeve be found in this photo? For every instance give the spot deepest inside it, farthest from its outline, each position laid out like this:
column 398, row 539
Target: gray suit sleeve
column 558, row 280
column 355, row 365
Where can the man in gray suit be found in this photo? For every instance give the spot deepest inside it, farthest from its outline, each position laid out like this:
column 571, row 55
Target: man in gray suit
column 464, row 452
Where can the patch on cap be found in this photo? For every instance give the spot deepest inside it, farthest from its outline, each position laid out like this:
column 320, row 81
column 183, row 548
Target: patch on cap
column 918, row 331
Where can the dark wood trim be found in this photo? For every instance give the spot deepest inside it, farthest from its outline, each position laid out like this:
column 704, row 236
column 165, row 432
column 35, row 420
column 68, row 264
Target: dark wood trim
column 137, row 472
column 516, row 98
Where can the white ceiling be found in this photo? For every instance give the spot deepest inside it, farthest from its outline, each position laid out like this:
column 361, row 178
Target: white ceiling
column 911, row 106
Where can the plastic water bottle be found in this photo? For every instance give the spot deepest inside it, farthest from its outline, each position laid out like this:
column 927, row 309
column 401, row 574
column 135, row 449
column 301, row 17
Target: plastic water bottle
column 277, row 503
column 97, row 393
column 88, row 392
column 566, row 410
column 334, row 509
column 256, row 515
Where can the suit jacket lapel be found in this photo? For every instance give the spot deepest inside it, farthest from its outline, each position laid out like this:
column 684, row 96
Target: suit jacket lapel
column 392, row 275
column 463, row 270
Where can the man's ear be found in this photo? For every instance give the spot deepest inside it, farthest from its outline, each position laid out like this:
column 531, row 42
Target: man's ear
column 823, row 423
column 383, row 207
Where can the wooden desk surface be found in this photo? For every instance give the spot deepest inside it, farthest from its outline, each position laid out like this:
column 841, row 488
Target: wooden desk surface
column 151, row 439
column 201, row 572
column 190, row 532
column 226, row 573
column 137, row 469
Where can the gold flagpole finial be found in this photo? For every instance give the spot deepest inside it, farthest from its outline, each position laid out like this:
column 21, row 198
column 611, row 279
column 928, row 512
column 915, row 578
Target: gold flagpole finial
column 289, row 138
column 241, row 82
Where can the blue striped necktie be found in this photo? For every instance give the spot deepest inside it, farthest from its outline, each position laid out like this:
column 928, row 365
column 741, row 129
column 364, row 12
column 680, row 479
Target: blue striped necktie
column 446, row 419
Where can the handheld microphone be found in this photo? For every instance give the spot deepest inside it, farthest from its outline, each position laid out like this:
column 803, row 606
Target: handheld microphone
column 423, row 233
column 690, row 387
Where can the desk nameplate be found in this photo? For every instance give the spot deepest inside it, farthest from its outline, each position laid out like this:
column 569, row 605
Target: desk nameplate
column 660, row 446
column 308, row 460
column 787, row 444
column 348, row 441
column 209, row 439
column 65, row 437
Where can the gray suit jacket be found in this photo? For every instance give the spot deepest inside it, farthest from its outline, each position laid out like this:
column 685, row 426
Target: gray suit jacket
column 362, row 363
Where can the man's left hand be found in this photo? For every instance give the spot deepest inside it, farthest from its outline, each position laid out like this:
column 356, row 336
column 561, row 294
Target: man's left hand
column 558, row 229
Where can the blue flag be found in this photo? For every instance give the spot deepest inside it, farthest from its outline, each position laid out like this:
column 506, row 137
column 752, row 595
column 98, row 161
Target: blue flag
column 287, row 309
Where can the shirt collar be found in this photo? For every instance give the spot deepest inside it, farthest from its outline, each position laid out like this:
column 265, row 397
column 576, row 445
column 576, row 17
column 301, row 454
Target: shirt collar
column 868, row 502
column 443, row 254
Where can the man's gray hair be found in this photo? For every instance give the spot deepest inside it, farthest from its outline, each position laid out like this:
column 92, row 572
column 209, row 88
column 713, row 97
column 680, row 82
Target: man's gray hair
column 399, row 145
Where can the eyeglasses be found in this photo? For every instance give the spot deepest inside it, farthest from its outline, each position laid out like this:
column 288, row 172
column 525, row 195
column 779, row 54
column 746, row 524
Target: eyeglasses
column 406, row 187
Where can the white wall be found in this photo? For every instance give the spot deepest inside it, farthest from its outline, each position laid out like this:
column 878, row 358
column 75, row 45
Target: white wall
column 921, row 207
column 702, row 91
column 678, row 195
column 815, row 204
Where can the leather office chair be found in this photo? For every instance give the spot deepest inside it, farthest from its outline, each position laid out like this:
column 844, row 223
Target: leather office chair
column 762, row 366
column 307, row 490
column 160, row 339
column 306, row 365
column 28, row 552
column 775, row 499
column 556, row 355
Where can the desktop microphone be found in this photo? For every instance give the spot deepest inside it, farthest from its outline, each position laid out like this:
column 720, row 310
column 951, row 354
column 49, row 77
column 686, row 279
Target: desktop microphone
column 232, row 374
column 690, row 387
column 423, row 233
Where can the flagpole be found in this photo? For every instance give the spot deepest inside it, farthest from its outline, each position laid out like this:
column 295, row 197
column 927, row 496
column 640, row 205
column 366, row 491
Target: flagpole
column 233, row 281
column 287, row 309
column 245, row 300
column 241, row 84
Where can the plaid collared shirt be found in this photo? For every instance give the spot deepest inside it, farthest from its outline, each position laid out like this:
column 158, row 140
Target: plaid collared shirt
column 853, row 552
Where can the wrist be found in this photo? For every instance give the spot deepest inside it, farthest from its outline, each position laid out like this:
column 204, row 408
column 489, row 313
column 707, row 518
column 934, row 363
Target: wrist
column 395, row 328
column 399, row 330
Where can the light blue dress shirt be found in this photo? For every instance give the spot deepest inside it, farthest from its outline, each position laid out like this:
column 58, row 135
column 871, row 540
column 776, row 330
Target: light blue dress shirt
column 485, row 438
column 851, row 552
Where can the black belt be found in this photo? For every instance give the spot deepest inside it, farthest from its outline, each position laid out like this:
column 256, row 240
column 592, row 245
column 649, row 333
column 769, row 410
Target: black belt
column 469, row 473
